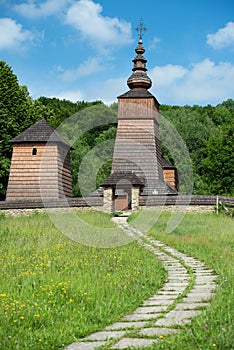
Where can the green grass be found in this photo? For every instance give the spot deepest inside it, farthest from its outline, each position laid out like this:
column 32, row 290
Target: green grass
column 54, row 291
column 209, row 238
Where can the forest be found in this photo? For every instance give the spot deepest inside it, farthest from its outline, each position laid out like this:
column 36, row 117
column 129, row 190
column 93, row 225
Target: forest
column 206, row 131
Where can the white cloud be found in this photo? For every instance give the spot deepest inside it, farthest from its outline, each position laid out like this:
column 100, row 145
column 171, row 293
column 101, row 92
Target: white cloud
column 36, row 9
column 153, row 43
column 86, row 17
column 91, row 65
column 106, row 90
column 223, row 37
column 12, row 35
column 204, row 83
column 208, row 82
column 110, row 89
column 166, row 75
column 71, row 95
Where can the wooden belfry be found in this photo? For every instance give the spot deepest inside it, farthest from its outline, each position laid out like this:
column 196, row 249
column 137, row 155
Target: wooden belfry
column 137, row 146
column 40, row 165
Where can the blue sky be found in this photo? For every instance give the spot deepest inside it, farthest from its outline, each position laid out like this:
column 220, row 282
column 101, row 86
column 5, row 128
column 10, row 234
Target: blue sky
column 82, row 49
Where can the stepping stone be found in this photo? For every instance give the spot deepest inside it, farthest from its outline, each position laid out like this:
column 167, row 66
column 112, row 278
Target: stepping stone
column 176, row 271
column 126, row 325
column 158, row 302
column 169, row 323
column 85, row 345
column 195, row 265
column 193, row 297
column 172, row 268
column 205, row 279
column 203, row 272
column 177, row 317
column 157, row 331
column 177, row 284
column 105, row 335
column 190, row 306
column 133, row 342
column 202, row 289
column 171, row 293
column 149, row 309
column 183, row 314
column 160, row 298
column 178, row 280
column 196, row 300
column 173, row 289
column 141, row 317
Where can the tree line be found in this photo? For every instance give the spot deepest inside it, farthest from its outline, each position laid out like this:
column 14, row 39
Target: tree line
column 207, row 132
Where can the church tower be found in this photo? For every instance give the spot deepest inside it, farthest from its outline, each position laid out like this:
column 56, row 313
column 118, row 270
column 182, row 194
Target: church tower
column 137, row 146
column 40, row 165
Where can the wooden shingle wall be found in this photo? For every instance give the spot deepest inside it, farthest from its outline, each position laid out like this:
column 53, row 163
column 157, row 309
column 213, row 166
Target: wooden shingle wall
column 137, row 146
column 170, row 177
column 64, row 173
column 37, row 171
column 142, row 108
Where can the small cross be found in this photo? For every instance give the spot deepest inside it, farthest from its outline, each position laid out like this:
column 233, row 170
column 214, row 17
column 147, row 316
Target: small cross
column 141, row 29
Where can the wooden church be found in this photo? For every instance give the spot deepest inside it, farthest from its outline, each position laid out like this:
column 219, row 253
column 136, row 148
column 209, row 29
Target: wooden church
column 138, row 168
column 40, row 165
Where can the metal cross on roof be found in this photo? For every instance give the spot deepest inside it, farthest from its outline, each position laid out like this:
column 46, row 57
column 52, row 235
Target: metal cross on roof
column 141, row 29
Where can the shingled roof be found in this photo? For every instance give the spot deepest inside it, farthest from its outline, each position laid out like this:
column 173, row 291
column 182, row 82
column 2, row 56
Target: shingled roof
column 124, row 178
column 41, row 131
column 166, row 164
column 138, row 93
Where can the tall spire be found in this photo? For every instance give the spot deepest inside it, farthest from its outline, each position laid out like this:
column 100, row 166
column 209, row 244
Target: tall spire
column 139, row 78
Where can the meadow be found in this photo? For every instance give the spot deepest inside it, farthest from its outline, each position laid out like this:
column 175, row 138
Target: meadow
column 209, row 238
column 54, row 291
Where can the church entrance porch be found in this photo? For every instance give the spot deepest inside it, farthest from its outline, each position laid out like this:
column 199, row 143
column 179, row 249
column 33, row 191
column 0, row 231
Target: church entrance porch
column 121, row 191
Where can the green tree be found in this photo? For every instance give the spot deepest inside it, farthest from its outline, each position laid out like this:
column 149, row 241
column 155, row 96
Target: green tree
column 18, row 111
column 218, row 165
column 14, row 118
column 60, row 110
column 86, row 130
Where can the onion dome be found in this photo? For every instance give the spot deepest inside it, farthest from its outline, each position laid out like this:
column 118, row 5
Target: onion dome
column 139, row 78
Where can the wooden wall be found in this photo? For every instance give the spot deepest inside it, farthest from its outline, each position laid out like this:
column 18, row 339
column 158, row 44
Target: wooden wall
column 137, row 148
column 43, row 174
column 142, row 108
column 170, row 176
column 64, row 172
column 138, row 121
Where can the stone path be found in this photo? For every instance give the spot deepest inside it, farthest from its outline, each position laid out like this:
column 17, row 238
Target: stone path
column 189, row 287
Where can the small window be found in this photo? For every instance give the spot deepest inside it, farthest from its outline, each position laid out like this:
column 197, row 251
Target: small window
column 34, row 151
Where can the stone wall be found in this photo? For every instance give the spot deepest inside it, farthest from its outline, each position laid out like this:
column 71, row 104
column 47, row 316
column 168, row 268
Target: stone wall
column 188, row 203
column 183, row 208
column 108, row 200
column 168, row 208
column 135, row 198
